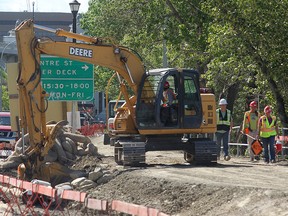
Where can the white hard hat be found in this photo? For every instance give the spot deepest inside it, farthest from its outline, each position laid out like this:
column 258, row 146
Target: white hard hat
column 223, row 102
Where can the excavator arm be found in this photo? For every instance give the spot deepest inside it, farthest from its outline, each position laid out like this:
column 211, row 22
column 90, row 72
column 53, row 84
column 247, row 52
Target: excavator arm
column 32, row 97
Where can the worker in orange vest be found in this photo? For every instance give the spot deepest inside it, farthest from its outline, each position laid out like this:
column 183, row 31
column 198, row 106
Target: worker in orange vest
column 268, row 129
column 168, row 95
column 169, row 108
column 250, row 126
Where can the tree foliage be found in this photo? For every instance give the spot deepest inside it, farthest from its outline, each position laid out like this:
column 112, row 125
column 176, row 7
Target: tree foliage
column 259, row 36
column 240, row 45
column 5, row 96
column 146, row 26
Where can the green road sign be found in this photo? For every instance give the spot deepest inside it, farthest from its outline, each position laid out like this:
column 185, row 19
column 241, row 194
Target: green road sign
column 67, row 80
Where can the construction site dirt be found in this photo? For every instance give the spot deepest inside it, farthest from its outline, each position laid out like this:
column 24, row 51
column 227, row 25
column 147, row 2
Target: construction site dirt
column 167, row 183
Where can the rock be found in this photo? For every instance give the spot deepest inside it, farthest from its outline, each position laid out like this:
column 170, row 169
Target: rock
column 67, row 147
column 78, row 138
column 57, row 147
column 105, row 178
column 96, row 174
column 8, row 165
column 76, row 182
column 70, row 156
column 85, row 182
column 74, row 174
column 106, row 172
column 11, row 162
column 87, row 186
column 60, row 188
column 63, row 185
column 51, row 156
column 15, row 158
column 72, row 144
column 104, row 166
column 91, row 149
column 81, row 151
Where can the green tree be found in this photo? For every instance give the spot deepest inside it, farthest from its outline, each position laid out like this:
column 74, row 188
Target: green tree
column 258, row 30
column 5, row 96
column 146, row 26
column 240, row 44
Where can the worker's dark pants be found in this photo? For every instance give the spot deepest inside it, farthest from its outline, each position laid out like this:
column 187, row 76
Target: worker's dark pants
column 225, row 138
column 269, row 150
column 168, row 115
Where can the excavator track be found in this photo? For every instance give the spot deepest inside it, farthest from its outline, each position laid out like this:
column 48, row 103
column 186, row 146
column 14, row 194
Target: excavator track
column 204, row 152
column 130, row 153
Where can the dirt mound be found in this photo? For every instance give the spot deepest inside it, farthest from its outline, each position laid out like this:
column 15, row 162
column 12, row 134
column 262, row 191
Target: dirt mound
column 188, row 199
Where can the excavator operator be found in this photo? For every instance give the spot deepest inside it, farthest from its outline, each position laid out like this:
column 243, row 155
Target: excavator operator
column 168, row 109
column 168, row 95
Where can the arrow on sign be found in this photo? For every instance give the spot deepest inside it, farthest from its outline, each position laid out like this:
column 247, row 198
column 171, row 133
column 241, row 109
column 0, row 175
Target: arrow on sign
column 85, row 67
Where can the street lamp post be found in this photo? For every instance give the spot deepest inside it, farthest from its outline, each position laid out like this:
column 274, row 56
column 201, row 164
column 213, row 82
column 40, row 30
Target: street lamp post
column 33, row 3
column 74, row 7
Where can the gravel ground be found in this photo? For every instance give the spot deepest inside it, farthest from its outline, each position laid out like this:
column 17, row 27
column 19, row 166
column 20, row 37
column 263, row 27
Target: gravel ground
column 235, row 187
column 167, row 183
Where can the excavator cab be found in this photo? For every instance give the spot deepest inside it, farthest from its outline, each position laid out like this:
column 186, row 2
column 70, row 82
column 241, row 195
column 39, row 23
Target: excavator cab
column 184, row 112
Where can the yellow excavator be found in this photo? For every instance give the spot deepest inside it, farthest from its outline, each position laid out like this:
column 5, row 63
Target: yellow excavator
column 142, row 124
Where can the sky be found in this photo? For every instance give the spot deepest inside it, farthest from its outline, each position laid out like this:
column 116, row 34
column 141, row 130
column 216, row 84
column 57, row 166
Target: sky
column 41, row 5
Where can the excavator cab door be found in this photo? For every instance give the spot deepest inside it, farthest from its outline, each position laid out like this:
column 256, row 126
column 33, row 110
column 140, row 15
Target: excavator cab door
column 191, row 100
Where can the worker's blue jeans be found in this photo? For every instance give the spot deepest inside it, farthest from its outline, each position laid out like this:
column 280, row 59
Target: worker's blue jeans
column 269, row 149
column 225, row 138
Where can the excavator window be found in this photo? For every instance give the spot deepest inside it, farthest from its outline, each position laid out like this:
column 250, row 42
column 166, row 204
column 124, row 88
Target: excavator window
column 152, row 109
column 146, row 108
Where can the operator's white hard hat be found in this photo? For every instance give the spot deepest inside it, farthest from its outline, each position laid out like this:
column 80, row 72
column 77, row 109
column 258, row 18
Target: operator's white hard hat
column 223, row 102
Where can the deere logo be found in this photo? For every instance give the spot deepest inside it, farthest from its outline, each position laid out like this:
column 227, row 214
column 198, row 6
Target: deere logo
column 81, row 52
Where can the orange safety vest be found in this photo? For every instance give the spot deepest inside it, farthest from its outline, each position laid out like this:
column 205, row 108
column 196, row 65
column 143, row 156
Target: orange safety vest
column 267, row 129
column 247, row 120
column 166, row 96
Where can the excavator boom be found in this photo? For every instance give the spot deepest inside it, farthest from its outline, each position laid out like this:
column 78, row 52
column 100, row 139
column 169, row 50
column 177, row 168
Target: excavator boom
column 32, row 97
column 126, row 63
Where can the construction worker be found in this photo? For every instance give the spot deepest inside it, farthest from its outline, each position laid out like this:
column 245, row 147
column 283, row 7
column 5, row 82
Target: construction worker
column 224, row 125
column 168, row 110
column 250, row 126
column 168, row 95
column 268, row 129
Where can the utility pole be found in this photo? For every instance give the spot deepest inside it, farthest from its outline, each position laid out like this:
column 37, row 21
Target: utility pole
column 74, row 6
